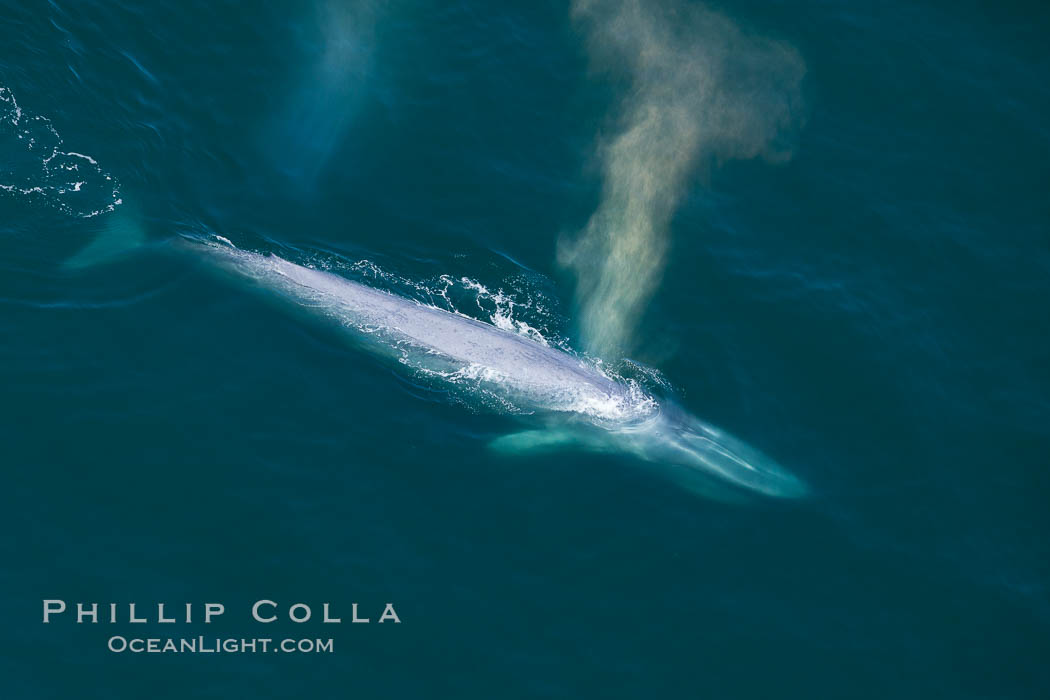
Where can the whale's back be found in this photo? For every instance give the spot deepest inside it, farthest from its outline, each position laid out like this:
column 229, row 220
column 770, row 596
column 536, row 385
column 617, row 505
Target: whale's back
column 537, row 376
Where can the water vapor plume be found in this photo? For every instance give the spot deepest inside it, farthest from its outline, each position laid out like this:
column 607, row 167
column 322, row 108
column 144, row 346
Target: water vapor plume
column 321, row 109
column 702, row 91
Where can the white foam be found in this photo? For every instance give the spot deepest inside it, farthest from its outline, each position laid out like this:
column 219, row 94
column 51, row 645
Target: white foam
column 45, row 176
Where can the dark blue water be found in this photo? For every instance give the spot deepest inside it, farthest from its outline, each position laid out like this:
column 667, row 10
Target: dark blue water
column 868, row 309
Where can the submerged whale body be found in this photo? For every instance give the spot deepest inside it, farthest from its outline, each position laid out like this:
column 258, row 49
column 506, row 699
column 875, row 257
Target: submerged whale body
column 581, row 406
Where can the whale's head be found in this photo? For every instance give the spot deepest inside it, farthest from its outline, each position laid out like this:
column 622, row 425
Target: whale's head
column 701, row 457
column 694, row 452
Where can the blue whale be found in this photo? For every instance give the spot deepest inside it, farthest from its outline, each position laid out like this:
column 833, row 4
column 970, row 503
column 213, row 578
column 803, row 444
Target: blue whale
column 576, row 404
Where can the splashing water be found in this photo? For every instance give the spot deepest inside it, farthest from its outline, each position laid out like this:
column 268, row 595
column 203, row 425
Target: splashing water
column 32, row 165
column 702, row 91
column 516, row 303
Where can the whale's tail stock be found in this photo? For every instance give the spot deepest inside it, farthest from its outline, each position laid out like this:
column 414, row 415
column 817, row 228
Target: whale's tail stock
column 121, row 233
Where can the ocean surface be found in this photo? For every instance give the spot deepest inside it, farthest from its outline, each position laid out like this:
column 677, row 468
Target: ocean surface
column 822, row 226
